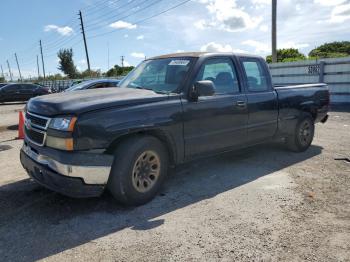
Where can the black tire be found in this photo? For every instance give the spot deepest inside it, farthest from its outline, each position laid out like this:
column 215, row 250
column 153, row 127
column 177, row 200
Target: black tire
column 122, row 182
column 303, row 134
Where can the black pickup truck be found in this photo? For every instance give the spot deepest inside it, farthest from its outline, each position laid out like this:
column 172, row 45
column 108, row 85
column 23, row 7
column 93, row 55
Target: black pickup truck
column 168, row 110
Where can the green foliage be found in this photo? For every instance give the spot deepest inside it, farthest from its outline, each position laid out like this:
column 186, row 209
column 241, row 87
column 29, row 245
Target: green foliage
column 119, row 71
column 331, row 50
column 287, row 55
column 66, row 63
column 55, row 77
column 91, row 73
column 2, row 79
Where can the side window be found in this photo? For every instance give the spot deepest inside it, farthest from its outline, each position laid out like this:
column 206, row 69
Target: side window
column 98, row 85
column 27, row 87
column 222, row 73
column 112, row 84
column 12, row 88
column 256, row 76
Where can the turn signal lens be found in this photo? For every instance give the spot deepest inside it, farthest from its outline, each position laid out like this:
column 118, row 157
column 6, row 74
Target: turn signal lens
column 60, row 143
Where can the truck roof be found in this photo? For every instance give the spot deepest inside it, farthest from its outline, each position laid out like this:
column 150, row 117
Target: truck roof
column 200, row 54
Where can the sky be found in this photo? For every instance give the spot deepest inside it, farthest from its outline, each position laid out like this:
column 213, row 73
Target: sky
column 137, row 29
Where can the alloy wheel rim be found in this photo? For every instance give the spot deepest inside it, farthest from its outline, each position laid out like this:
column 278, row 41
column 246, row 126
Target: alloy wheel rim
column 146, row 171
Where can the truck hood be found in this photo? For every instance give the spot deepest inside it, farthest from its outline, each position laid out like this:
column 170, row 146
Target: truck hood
column 78, row 102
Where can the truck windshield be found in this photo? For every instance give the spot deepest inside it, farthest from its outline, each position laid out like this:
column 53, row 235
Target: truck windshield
column 160, row 75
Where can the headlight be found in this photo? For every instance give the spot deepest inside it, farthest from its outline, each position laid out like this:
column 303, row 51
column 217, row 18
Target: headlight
column 63, row 123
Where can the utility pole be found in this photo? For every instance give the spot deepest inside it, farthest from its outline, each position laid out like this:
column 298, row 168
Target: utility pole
column 19, row 70
column 8, row 65
column 2, row 72
column 83, row 32
column 37, row 64
column 274, row 31
column 42, row 58
column 122, row 59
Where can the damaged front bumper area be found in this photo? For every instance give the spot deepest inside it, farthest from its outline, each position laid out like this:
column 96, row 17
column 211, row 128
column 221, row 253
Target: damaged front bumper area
column 73, row 174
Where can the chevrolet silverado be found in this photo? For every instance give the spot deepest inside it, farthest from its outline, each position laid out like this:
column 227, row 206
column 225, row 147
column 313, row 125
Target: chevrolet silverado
column 170, row 109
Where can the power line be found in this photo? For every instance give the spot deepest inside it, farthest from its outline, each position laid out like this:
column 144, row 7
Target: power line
column 145, row 19
column 104, row 16
column 61, row 43
column 113, row 5
column 55, row 43
column 126, row 16
column 97, row 5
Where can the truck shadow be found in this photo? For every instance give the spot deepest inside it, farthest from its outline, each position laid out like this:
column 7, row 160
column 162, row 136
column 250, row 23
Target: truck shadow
column 36, row 223
column 13, row 103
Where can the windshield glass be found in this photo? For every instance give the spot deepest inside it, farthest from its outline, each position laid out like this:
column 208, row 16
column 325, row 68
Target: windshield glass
column 159, row 75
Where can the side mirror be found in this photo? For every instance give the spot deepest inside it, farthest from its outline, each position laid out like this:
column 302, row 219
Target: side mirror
column 203, row 88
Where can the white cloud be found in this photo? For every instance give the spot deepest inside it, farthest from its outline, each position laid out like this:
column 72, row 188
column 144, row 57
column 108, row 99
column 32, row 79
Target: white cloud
column 264, row 28
column 140, row 37
column 122, row 25
column 260, row 48
column 225, row 15
column 291, row 44
column 82, row 62
column 65, row 30
column 340, row 13
column 329, row 2
column 216, row 47
column 261, row 2
column 138, row 55
column 126, row 63
column 126, row 36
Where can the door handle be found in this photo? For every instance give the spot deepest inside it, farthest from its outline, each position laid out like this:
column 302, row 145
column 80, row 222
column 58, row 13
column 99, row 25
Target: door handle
column 241, row 104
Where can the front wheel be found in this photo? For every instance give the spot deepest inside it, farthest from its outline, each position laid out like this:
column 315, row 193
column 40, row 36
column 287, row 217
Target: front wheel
column 303, row 135
column 139, row 169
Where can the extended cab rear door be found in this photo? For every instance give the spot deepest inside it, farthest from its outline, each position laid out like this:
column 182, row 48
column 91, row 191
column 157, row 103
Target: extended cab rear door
column 218, row 122
column 262, row 100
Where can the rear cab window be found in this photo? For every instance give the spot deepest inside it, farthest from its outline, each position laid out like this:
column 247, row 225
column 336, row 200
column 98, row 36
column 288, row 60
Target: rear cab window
column 256, row 75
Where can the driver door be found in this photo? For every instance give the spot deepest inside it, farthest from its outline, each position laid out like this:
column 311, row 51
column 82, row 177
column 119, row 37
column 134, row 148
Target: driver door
column 219, row 122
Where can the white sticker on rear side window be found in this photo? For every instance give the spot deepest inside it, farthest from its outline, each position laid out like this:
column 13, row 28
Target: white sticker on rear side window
column 179, row 62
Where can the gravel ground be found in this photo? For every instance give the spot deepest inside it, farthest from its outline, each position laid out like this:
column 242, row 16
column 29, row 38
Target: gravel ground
column 264, row 204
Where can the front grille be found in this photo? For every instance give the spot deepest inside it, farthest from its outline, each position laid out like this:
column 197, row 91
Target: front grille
column 36, row 120
column 35, row 128
column 35, row 136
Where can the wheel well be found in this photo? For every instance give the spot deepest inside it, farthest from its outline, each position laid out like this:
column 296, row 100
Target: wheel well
column 311, row 111
column 160, row 135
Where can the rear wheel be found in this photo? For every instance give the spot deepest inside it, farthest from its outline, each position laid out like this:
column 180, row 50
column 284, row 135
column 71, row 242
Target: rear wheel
column 303, row 135
column 139, row 169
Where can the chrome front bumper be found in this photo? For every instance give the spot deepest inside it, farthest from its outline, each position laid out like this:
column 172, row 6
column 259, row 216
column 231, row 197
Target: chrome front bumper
column 91, row 174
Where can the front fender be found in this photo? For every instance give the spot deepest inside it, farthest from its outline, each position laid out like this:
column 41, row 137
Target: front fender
column 100, row 129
